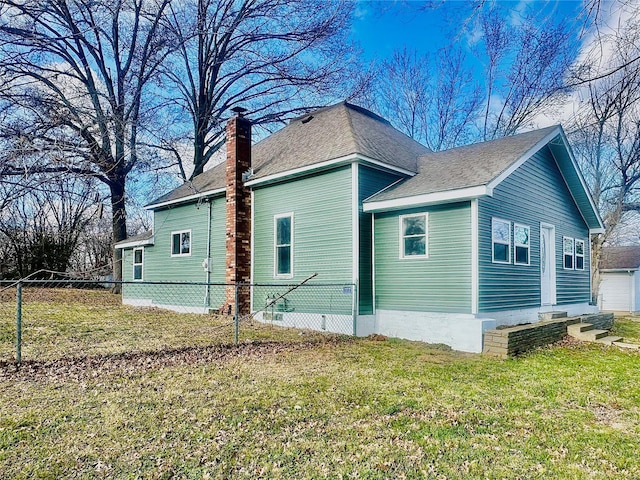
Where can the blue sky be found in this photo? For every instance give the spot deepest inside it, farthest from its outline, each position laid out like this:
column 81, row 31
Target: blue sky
column 381, row 27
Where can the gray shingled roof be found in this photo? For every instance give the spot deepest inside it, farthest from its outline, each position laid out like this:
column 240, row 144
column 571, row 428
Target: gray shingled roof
column 620, row 258
column 325, row 134
column 331, row 133
column 212, row 179
column 137, row 238
column 463, row 167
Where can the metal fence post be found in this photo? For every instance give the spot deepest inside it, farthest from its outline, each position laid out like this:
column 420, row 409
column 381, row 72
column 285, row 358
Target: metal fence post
column 236, row 318
column 19, row 324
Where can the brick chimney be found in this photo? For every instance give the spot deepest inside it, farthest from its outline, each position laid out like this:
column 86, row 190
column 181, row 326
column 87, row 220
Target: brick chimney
column 238, row 206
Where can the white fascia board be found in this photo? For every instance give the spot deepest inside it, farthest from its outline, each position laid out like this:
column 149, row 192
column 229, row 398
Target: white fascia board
column 596, row 231
column 428, row 199
column 618, row 270
column 518, row 163
column 386, row 166
column 335, row 162
column 138, row 243
column 195, row 196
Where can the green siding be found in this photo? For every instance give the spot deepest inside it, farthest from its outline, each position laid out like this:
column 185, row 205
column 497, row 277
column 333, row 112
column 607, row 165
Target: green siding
column 322, row 229
column 440, row 283
column 160, row 266
column 370, row 181
column 534, row 193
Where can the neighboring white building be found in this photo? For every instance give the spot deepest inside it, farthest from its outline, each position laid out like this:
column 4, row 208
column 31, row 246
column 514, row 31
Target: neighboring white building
column 620, row 279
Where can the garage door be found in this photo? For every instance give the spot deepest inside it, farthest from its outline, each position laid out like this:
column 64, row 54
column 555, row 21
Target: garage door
column 615, row 291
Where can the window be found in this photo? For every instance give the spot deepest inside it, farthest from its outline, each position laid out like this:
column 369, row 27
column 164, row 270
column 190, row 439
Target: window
column 501, row 240
column 521, row 236
column 567, row 252
column 138, row 260
column 283, row 245
column 413, row 233
column 181, row 243
column 579, row 261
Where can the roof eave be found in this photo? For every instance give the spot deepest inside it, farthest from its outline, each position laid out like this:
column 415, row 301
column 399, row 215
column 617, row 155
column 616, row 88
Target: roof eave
column 137, row 243
column 426, row 199
column 195, row 196
column 327, row 164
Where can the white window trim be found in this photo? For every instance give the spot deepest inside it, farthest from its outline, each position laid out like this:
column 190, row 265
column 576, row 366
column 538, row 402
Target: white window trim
column 576, row 255
column 180, row 232
column 508, row 244
column 573, row 255
column 402, row 255
column 515, row 244
column 275, row 246
column 134, row 265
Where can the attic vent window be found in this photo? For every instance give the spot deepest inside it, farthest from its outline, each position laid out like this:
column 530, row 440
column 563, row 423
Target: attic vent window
column 307, row 119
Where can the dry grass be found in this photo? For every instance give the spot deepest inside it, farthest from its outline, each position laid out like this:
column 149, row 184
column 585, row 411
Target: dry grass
column 325, row 407
column 71, row 323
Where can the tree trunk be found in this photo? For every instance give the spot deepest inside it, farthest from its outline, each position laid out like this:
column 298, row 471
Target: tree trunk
column 119, row 224
column 596, row 253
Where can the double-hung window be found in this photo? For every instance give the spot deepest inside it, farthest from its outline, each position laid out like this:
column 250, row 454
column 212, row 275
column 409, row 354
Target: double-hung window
column 568, row 245
column 283, row 245
column 521, row 243
column 500, row 241
column 413, row 233
column 138, row 261
column 181, row 243
column 580, row 247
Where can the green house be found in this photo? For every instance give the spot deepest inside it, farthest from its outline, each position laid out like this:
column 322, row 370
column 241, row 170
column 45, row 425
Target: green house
column 440, row 245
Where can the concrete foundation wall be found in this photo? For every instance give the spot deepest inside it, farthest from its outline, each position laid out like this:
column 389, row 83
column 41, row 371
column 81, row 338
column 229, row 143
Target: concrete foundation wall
column 458, row 330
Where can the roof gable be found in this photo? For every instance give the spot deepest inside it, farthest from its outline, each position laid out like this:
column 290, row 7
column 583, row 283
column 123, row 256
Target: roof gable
column 470, row 166
column 475, row 170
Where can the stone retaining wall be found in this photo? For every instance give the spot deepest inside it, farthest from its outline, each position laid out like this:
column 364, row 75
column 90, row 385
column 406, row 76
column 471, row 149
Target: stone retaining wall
column 512, row 341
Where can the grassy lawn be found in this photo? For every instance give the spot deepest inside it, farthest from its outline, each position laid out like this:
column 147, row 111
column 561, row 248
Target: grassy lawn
column 323, row 407
column 71, row 323
column 627, row 327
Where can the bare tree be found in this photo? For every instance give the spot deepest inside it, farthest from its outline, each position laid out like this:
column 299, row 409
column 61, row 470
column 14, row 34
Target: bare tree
column 273, row 57
column 525, row 67
column 78, row 75
column 432, row 99
column 606, row 26
column 607, row 140
column 42, row 229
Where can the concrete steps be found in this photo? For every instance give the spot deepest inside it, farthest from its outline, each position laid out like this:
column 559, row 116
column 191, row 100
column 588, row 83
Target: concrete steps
column 587, row 333
column 630, row 346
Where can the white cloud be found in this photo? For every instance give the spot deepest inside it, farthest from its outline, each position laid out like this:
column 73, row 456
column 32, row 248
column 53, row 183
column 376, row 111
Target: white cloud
column 598, row 48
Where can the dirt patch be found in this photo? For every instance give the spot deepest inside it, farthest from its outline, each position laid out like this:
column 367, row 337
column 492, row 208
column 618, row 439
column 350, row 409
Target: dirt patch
column 611, row 416
column 83, row 368
column 376, row 337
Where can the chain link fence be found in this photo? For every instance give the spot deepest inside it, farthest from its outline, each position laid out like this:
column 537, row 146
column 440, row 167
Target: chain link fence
column 51, row 319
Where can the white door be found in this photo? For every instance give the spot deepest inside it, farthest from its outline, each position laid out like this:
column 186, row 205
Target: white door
column 615, row 291
column 547, row 265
